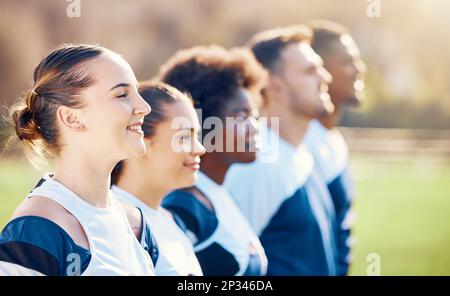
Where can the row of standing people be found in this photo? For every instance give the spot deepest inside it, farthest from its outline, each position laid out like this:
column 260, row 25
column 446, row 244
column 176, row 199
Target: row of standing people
column 271, row 198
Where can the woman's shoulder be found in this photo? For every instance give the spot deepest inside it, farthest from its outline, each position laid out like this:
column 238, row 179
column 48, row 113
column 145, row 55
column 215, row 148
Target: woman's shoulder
column 190, row 197
column 41, row 206
column 141, row 229
column 135, row 218
column 35, row 241
column 195, row 210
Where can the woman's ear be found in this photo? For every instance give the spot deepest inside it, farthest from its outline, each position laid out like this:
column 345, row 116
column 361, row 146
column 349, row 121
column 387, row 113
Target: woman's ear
column 70, row 118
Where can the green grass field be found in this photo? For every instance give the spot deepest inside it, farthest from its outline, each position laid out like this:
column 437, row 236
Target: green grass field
column 402, row 212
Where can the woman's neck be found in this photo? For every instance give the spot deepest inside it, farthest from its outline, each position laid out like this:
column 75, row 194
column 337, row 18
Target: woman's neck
column 87, row 178
column 149, row 189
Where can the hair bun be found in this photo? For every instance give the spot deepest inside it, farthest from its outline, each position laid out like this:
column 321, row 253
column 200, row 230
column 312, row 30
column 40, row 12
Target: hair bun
column 25, row 125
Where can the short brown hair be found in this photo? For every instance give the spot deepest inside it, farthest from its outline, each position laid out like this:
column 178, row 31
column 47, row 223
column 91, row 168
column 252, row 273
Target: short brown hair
column 268, row 45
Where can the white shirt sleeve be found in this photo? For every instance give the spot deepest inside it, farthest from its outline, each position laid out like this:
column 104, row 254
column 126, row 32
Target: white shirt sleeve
column 258, row 190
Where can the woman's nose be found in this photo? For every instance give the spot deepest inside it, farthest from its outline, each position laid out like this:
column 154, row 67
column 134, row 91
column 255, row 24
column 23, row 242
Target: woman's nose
column 142, row 107
column 199, row 149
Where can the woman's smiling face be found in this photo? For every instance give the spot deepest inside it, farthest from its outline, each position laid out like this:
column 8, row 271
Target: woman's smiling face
column 174, row 149
column 114, row 110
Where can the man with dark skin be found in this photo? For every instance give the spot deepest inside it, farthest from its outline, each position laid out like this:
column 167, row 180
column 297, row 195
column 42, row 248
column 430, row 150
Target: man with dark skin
column 342, row 60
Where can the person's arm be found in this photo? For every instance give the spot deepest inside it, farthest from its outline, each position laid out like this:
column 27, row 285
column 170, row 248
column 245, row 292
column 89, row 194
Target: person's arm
column 257, row 192
column 142, row 230
column 196, row 215
column 134, row 217
column 341, row 195
column 33, row 245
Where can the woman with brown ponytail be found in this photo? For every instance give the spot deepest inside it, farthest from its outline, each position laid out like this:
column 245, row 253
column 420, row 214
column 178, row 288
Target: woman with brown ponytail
column 85, row 113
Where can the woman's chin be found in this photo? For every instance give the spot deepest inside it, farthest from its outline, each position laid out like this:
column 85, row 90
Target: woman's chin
column 137, row 149
column 188, row 180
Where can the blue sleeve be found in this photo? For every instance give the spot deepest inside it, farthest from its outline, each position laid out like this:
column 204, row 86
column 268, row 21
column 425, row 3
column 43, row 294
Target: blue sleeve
column 148, row 241
column 196, row 217
column 342, row 206
column 38, row 244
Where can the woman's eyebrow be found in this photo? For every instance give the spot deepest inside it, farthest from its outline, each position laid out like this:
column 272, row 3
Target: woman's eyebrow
column 119, row 85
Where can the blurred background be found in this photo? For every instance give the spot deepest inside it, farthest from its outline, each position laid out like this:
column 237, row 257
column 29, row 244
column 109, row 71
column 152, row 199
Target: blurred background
column 399, row 138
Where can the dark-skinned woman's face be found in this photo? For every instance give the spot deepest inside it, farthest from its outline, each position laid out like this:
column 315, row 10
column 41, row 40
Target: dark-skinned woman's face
column 240, row 136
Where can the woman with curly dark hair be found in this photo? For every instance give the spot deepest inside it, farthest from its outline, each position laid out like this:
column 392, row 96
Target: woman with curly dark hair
column 224, row 85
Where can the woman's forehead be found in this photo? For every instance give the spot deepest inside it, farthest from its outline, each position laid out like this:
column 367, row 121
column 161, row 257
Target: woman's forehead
column 110, row 69
column 180, row 108
column 182, row 115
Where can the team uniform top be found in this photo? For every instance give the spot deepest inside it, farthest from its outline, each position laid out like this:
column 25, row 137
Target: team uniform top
column 223, row 240
column 288, row 206
column 176, row 253
column 32, row 245
column 330, row 153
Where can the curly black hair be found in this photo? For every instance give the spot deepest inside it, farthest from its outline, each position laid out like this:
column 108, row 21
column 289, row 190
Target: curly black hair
column 211, row 75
